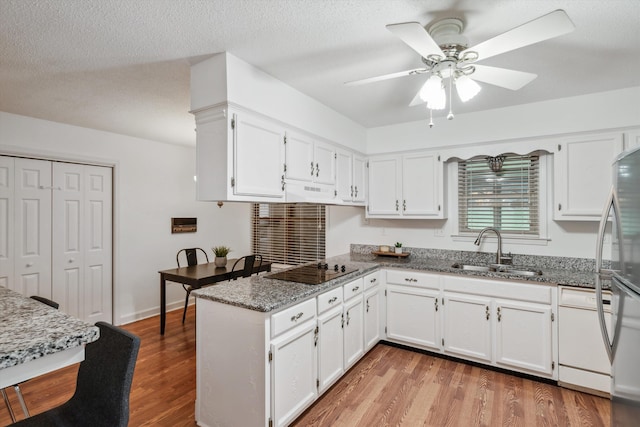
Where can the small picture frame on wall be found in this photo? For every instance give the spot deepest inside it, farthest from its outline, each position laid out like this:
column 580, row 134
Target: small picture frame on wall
column 184, row 225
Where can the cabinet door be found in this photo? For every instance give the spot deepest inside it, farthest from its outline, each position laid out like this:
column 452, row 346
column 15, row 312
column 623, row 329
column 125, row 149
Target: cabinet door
column 293, row 373
column 325, row 159
column 344, row 174
column 384, row 185
column 371, row 318
column 353, row 331
column 421, row 182
column 582, row 175
column 32, row 219
column 299, row 157
column 467, row 326
column 412, row 316
column 359, row 179
column 330, row 348
column 524, row 336
column 258, row 157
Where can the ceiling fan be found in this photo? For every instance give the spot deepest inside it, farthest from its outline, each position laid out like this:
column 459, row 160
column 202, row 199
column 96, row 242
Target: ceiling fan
column 445, row 54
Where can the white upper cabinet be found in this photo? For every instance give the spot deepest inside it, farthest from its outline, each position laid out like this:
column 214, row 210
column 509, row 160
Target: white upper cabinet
column 632, row 139
column 240, row 156
column 309, row 160
column 582, row 175
column 409, row 186
column 350, row 177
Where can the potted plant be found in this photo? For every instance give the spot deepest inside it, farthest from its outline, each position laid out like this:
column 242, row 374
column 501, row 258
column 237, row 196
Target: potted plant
column 221, row 253
column 398, row 246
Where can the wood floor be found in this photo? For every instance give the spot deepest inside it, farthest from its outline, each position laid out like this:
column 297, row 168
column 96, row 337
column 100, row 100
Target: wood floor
column 388, row 387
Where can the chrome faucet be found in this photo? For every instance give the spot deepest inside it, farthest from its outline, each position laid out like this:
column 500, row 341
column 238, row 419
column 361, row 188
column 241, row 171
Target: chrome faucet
column 499, row 253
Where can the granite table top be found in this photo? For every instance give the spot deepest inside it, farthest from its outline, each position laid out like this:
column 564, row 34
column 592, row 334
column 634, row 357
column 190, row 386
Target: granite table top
column 30, row 330
column 260, row 293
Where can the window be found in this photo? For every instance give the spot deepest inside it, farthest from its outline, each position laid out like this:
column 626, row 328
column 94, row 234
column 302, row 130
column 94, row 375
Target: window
column 500, row 192
column 288, row 233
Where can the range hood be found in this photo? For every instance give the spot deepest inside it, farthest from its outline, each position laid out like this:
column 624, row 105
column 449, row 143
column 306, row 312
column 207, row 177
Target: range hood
column 306, row 192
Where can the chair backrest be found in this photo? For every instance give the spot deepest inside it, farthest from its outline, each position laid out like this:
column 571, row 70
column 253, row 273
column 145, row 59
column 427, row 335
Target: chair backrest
column 249, row 263
column 105, row 377
column 191, row 255
column 46, row 301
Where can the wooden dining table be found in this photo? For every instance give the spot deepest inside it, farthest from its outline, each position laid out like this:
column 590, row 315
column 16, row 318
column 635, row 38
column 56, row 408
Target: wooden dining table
column 198, row 276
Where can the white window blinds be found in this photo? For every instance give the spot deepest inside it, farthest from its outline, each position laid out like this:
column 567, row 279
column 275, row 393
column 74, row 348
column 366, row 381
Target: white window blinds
column 500, row 192
column 288, row 233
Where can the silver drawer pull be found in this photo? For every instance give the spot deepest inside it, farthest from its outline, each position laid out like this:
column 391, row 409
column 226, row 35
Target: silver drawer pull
column 409, row 279
column 296, row 317
column 355, row 288
column 373, row 280
column 332, row 300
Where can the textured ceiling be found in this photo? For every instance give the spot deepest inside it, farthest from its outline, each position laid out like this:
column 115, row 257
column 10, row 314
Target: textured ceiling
column 123, row 65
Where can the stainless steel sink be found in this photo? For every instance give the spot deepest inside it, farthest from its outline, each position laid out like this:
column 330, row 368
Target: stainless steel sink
column 499, row 268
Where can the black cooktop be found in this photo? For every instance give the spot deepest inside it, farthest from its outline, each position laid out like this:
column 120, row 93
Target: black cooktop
column 313, row 274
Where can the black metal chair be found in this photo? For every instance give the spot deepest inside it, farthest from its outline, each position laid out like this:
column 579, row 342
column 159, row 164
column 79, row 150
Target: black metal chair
column 248, row 265
column 16, row 387
column 104, row 381
column 191, row 255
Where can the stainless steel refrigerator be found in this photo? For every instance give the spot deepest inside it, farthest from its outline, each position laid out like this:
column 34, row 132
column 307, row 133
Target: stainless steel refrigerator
column 623, row 340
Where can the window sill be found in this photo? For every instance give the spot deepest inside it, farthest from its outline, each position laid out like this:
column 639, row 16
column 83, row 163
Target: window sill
column 516, row 240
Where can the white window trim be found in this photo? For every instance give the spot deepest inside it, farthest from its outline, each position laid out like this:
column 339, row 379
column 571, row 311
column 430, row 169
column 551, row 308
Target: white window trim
column 544, row 193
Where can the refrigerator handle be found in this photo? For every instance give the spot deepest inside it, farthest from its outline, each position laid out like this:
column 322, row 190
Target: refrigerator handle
column 612, row 202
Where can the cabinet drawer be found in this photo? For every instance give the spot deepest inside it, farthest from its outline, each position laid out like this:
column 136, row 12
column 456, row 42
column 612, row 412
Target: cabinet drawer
column 352, row 289
column 329, row 300
column 292, row 316
column 583, row 298
column 371, row 280
column 410, row 278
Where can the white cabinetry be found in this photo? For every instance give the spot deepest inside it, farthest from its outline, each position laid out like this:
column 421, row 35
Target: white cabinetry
column 239, row 156
column 505, row 324
column 309, row 160
column 467, row 326
column 330, row 339
column 582, row 175
column 412, row 309
column 350, row 177
column 632, row 139
column 353, row 322
column 371, row 310
column 409, row 186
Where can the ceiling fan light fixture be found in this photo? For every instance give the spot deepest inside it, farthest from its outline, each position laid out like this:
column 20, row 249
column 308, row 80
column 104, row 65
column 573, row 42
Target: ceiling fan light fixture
column 431, row 88
column 466, row 88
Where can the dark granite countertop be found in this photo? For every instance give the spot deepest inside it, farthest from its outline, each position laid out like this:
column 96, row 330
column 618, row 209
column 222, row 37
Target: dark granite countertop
column 260, row 293
column 30, row 329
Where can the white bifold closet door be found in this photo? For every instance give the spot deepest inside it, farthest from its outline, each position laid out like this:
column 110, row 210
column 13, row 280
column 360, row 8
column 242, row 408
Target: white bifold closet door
column 56, row 234
column 82, row 235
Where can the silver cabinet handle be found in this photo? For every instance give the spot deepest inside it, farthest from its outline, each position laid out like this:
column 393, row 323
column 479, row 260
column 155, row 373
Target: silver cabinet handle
column 356, row 191
column 332, row 300
column 29, row 264
column 296, row 317
column 317, row 169
column 373, row 280
column 282, row 182
column 312, row 168
column 355, row 288
column 409, row 279
column 499, row 314
column 352, row 191
column 397, row 205
column 404, row 205
column 487, row 312
column 436, row 303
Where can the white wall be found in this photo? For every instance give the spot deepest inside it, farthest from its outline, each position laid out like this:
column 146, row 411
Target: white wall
column 153, row 182
column 513, row 126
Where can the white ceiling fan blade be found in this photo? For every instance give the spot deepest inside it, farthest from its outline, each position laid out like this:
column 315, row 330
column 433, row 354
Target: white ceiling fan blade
column 551, row 25
column 385, row 77
column 418, row 39
column 509, row 79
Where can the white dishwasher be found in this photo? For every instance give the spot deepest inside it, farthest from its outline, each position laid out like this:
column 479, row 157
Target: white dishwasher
column 583, row 360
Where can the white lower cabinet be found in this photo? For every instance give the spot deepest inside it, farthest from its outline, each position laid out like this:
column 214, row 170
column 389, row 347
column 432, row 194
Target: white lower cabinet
column 467, row 326
column 413, row 309
column 372, row 313
column 330, row 348
column 353, row 323
column 524, row 336
column 505, row 324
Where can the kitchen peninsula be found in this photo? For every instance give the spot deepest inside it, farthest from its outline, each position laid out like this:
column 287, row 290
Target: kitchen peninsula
column 269, row 348
column 35, row 338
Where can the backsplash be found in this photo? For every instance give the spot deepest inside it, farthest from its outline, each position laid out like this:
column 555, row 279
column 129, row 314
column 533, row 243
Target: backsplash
column 470, row 257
